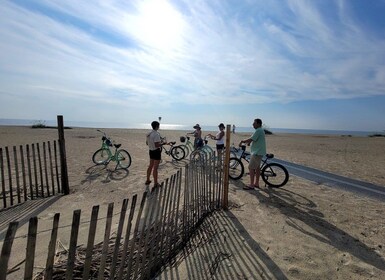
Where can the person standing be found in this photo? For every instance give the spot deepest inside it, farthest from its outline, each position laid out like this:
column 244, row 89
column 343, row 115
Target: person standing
column 154, row 143
column 220, row 138
column 258, row 150
column 198, row 141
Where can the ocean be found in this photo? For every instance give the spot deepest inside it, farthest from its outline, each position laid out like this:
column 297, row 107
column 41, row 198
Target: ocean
column 25, row 122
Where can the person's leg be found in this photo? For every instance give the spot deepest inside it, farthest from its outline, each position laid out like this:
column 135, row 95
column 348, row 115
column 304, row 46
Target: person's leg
column 252, row 176
column 149, row 169
column 257, row 171
column 155, row 171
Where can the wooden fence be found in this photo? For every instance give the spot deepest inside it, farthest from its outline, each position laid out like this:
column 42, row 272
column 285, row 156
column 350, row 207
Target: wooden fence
column 145, row 238
column 29, row 172
column 33, row 171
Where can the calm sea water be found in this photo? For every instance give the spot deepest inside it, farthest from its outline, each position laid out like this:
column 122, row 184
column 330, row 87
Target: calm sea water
column 23, row 122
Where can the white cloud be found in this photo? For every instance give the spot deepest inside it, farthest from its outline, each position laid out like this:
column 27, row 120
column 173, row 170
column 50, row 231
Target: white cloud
column 142, row 53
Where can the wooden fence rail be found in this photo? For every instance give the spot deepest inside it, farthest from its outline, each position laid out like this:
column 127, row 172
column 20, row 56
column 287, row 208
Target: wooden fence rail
column 147, row 236
column 29, row 172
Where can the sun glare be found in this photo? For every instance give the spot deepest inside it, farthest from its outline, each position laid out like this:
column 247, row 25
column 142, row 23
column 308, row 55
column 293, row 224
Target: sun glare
column 159, row 24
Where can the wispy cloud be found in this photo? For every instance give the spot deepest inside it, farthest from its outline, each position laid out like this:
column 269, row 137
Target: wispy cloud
column 165, row 52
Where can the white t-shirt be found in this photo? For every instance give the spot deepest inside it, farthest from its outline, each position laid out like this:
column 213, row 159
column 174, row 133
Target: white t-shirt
column 222, row 140
column 151, row 138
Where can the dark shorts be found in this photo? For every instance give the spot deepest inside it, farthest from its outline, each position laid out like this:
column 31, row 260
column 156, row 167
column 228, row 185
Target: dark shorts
column 220, row 146
column 155, row 154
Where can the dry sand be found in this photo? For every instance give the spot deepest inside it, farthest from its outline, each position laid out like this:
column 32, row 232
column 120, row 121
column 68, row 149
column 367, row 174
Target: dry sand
column 301, row 231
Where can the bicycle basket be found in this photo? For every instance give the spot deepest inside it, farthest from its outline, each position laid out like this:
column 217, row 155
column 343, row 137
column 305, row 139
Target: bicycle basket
column 108, row 142
column 182, row 139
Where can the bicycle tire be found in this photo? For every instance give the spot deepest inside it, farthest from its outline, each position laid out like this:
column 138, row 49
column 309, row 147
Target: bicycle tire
column 236, row 168
column 207, row 149
column 197, row 157
column 275, row 175
column 101, row 156
column 177, row 153
column 123, row 159
column 186, row 150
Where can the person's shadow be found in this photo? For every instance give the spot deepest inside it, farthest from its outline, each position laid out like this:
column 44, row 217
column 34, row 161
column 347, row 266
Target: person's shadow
column 299, row 208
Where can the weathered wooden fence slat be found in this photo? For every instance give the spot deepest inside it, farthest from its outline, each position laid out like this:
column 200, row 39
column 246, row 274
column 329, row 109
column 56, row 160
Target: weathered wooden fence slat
column 52, row 247
column 90, row 242
column 127, row 237
column 106, row 240
column 73, row 244
column 118, row 238
column 31, row 246
column 3, row 192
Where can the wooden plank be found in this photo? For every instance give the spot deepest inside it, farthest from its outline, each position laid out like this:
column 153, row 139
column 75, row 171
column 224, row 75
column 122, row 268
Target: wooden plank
column 35, row 170
column 52, row 248
column 123, row 212
column 134, row 238
column 51, row 167
column 225, row 203
column 45, row 168
column 6, row 249
column 9, row 175
column 63, row 157
column 151, row 261
column 40, row 169
column 73, row 244
column 59, row 188
column 25, row 191
column 106, row 241
column 90, row 242
column 127, row 238
column 145, row 263
column 17, row 174
column 29, row 169
column 2, row 179
column 31, row 246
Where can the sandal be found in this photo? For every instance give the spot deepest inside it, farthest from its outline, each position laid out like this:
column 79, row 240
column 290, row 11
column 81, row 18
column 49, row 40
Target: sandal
column 147, row 182
column 248, row 188
column 156, row 185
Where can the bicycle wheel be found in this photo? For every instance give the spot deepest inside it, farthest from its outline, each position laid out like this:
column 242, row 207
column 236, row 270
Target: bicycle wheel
column 177, row 153
column 186, row 150
column 123, row 159
column 207, row 149
column 275, row 175
column 197, row 157
column 101, row 156
column 236, row 168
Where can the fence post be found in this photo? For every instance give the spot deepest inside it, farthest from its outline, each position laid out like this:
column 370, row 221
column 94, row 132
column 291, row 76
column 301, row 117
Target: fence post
column 63, row 157
column 226, row 170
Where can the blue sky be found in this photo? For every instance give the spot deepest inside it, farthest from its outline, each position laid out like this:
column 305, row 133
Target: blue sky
column 316, row 64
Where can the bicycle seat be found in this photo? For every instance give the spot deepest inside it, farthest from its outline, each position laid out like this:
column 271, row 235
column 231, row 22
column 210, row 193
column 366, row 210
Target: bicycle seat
column 269, row 155
column 172, row 143
column 117, row 145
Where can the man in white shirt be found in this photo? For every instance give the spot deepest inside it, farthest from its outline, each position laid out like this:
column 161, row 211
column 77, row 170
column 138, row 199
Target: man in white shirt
column 154, row 143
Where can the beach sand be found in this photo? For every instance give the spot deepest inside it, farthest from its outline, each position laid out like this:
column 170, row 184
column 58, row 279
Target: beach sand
column 301, row 231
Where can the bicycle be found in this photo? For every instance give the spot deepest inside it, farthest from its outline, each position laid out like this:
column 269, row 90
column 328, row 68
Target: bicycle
column 273, row 174
column 104, row 155
column 188, row 147
column 176, row 152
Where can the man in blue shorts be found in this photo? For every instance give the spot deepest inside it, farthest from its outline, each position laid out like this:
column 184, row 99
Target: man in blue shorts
column 258, row 150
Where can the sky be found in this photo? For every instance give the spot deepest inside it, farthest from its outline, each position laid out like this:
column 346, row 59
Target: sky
column 316, row 64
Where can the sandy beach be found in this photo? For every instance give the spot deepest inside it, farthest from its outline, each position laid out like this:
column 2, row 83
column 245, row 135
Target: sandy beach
column 307, row 231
